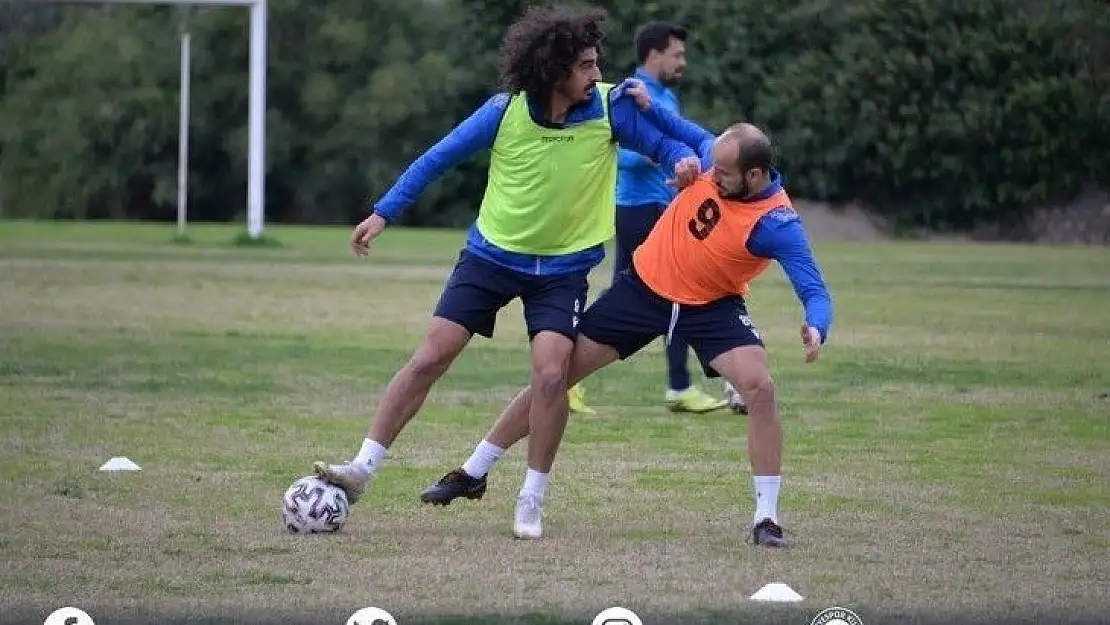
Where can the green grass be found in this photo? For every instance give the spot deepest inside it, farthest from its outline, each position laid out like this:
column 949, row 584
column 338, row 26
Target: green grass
column 950, row 450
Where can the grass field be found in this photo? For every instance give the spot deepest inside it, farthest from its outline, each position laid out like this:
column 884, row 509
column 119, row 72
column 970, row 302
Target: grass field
column 950, row 453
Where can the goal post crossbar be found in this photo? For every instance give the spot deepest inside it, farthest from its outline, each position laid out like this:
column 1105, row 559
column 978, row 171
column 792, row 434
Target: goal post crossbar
column 256, row 123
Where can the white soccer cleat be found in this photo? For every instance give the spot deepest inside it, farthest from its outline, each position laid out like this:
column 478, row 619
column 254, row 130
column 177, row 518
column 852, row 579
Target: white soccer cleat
column 352, row 477
column 735, row 399
column 528, row 522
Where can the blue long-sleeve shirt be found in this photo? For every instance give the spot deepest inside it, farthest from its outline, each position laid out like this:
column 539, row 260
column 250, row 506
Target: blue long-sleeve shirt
column 639, row 181
column 631, row 129
column 642, row 183
column 779, row 235
column 672, row 124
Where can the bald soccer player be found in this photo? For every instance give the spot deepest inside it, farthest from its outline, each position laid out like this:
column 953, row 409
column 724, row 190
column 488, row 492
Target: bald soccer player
column 687, row 280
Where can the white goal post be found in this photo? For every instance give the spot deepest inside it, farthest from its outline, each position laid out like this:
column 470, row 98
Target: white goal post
column 256, row 123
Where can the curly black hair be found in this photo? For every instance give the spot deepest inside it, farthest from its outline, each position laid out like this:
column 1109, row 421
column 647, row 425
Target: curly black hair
column 540, row 49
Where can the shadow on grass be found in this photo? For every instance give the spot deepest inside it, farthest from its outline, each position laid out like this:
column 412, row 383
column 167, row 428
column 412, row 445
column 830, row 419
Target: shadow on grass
column 244, row 239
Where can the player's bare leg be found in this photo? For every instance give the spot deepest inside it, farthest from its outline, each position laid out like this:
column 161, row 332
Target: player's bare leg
column 747, row 369
column 547, row 420
column 400, row 402
column 512, row 426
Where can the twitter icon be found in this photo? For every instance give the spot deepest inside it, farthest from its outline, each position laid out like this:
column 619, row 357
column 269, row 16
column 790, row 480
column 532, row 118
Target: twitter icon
column 371, row 616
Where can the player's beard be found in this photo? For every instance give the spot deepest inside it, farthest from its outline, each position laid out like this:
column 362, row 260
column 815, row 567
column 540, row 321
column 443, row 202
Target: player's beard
column 576, row 98
column 737, row 194
column 587, row 92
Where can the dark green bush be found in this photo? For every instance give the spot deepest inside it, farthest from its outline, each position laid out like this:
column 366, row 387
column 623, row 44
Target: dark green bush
column 941, row 113
column 938, row 113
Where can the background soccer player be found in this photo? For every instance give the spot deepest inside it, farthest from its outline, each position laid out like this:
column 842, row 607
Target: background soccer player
column 642, row 196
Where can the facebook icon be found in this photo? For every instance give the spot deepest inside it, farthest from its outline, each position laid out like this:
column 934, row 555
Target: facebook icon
column 68, row 616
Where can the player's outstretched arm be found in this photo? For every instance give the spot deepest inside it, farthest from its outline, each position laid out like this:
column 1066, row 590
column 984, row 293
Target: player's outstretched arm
column 674, row 125
column 635, row 132
column 633, row 87
column 627, row 159
column 671, row 123
column 779, row 235
column 472, row 135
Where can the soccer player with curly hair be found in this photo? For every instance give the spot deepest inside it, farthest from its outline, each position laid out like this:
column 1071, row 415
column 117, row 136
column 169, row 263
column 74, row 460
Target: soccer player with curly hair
column 548, row 209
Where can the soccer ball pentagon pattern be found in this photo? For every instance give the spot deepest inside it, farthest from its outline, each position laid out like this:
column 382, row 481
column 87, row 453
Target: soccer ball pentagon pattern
column 312, row 506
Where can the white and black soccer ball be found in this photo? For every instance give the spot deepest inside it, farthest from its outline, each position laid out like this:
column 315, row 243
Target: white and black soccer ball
column 313, row 506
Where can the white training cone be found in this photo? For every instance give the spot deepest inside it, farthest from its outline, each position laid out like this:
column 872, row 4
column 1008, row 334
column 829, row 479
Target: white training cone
column 776, row 592
column 119, row 463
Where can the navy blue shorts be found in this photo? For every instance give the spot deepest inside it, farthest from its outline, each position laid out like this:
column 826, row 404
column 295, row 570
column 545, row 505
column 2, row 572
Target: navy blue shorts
column 629, row 316
column 478, row 289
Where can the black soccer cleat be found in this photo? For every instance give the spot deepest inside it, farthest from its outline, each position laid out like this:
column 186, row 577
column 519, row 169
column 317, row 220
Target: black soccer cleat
column 452, row 486
column 769, row 534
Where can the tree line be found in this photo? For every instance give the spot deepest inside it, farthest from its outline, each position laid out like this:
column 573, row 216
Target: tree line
column 946, row 114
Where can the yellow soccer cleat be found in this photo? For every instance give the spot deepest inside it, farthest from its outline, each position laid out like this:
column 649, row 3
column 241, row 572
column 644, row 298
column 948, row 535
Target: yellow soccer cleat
column 576, row 398
column 694, row 399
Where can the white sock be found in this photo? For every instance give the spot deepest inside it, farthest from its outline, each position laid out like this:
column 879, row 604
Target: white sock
column 767, row 497
column 371, row 454
column 535, row 483
column 485, row 455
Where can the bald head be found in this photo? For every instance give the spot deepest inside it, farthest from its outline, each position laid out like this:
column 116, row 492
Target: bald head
column 753, row 145
column 742, row 160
